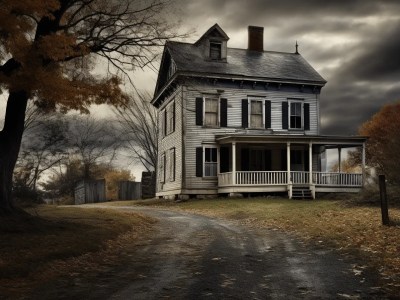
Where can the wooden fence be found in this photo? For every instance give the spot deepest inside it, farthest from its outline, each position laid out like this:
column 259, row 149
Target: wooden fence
column 129, row 190
column 90, row 191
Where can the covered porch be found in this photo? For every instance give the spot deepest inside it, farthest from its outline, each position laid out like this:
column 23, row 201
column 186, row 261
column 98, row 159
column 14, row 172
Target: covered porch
column 283, row 163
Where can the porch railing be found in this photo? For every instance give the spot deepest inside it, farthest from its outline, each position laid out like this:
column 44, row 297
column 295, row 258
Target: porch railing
column 297, row 177
column 337, row 179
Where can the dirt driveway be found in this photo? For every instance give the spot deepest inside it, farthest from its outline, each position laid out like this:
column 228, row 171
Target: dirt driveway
column 196, row 257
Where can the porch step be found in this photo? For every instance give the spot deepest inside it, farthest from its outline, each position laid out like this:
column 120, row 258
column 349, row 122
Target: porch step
column 301, row 193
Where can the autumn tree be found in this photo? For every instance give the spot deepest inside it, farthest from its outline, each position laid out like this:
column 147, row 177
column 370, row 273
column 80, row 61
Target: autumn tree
column 383, row 144
column 48, row 51
column 137, row 121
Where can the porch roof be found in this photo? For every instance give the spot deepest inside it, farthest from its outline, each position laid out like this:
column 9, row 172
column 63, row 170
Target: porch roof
column 329, row 141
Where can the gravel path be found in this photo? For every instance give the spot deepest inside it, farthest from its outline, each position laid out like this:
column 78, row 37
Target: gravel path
column 195, row 257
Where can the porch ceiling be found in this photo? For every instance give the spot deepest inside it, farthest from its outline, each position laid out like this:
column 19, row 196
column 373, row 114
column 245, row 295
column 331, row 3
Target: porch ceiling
column 328, row 141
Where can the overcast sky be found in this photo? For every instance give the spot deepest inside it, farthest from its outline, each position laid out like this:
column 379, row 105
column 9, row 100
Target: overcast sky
column 353, row 44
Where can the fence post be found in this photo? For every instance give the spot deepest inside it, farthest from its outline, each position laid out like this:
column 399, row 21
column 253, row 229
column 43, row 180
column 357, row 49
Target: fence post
column 384, row 203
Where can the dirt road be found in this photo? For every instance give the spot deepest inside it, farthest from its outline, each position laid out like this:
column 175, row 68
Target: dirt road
column 196, row 257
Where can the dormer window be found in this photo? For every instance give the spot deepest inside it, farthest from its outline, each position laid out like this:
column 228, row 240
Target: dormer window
column 215, row 50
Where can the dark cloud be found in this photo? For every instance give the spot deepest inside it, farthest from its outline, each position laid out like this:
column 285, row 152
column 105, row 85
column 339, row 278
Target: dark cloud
column 353, row 44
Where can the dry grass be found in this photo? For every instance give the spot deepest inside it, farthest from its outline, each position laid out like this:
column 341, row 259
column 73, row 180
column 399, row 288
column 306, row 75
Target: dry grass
column 353, row 229
column 62, row 241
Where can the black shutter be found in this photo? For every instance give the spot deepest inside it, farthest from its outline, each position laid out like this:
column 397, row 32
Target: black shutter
column 267, row 114
column 165, row 123
column 224, row 112
column 199, row 111
column 173, row 116
column 285, row 115
column 199, row 162
column 245, row 113
column 306, row 116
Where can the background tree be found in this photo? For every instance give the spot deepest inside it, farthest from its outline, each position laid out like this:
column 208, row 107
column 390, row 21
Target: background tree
column 92, row 142
column 137, row 121
column 383, row 144
column 49, row 49
column 43, row 146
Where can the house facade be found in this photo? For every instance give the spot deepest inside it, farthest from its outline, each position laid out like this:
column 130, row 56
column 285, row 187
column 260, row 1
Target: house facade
column 243, row 121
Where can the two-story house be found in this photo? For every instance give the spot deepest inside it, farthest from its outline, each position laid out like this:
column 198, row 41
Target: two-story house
column 242, row 121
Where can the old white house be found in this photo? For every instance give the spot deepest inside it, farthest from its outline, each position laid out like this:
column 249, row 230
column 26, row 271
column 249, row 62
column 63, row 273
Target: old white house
column 242, row 121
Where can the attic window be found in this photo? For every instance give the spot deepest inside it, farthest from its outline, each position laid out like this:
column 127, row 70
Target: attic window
column 215, row 50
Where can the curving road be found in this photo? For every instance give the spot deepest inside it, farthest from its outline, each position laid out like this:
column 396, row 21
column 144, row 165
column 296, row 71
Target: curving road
column 196, row 257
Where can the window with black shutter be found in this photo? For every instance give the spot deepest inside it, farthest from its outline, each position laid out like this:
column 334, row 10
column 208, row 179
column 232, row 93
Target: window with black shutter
column 267, row 114
column 245, row 113
column 199, row 162
column 224, row 112
column 199, row 111
column 306, row 116
column 285, row 115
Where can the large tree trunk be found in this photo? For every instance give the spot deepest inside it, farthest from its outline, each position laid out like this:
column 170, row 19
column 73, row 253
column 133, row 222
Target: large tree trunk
column 10, row 142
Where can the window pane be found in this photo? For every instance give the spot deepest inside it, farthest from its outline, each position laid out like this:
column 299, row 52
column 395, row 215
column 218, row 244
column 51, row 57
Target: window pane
column 256, row 121
column 295, row 115
column 256, row 107
column 215, row 50
column 211, row 105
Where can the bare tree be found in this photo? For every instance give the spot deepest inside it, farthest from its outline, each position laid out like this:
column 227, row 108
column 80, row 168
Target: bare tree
column 49, row 49
column 92, row 142
column 137, row 120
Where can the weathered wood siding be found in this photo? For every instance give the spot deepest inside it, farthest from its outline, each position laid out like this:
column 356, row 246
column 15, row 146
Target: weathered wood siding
column 166, row 143
column 91, row 191
column 196, row 136
column 129, row 190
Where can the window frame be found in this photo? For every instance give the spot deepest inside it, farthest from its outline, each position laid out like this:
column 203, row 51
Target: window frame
column 296, row 101
column 162, row 168
column 172, row 164
column 218, row 98
column 170, row 110
column 212, row 162
column 219, row 50
column 256, row 99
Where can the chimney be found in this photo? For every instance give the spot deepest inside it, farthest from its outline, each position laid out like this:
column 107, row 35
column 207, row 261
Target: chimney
column 256, row 38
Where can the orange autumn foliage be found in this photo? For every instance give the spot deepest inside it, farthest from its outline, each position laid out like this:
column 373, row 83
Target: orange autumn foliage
column 383, row 145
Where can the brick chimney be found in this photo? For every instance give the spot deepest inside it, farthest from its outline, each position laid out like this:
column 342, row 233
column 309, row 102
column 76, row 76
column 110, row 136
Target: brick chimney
column 256, row 38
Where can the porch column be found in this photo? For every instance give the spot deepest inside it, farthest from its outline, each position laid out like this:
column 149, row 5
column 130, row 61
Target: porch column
column 340, row 159
column 363, row 164
column 233, row 163
column 310, row 162
column 288, row 161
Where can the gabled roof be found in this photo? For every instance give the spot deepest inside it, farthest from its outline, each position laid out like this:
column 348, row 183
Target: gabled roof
column 190, row 60
column 245, row 63
column 214, row 31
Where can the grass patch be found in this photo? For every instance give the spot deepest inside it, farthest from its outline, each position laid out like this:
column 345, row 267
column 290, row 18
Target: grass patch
column 350, row 228
column 61, row 241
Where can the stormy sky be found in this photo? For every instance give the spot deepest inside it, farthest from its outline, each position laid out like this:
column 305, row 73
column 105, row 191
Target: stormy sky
column 353, row 44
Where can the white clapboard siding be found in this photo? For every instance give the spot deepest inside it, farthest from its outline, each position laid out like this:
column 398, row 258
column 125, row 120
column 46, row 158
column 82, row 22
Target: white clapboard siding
column 172, row 140
column 196, row 136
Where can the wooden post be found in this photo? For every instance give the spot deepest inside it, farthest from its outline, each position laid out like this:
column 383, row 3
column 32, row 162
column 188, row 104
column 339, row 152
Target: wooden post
column 384, row 204
column 234, row 163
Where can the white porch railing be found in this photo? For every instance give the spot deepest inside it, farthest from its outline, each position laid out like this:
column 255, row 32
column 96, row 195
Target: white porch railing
column 297, row 177
column 337, row 179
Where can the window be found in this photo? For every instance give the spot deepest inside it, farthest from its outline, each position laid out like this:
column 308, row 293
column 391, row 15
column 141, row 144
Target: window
column 211, row 111
column 210, row 162
column 162, row 168
column 172, row 164
column 215, row 50
column 256, row 114
column 170, row 118
column 296, row 116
